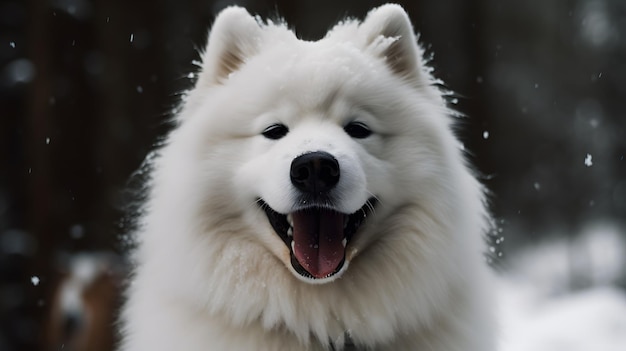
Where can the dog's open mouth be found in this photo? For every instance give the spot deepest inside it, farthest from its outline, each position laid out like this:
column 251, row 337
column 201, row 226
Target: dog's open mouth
column 317, row 237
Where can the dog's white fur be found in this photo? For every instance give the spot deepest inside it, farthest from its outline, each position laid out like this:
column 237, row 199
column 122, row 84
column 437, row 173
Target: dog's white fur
column 211, row 272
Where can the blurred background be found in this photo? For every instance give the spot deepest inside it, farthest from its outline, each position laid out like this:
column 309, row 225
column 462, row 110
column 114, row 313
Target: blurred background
column 86, row 87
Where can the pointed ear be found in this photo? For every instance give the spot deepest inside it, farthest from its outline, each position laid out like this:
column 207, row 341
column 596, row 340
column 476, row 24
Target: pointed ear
column 232, row 40
column 389, row 32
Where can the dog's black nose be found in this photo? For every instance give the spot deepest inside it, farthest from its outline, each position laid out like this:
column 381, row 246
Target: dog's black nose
column 315, row 172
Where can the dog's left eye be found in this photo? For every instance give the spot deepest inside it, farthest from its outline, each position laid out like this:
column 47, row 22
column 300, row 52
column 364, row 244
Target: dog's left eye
column 275, row 131
column 357, row 130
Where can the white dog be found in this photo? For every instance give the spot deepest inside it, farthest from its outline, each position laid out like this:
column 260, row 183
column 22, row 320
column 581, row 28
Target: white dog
column 311, row 197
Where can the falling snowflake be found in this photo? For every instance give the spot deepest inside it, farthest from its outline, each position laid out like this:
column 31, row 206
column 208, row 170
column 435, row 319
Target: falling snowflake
column 35, row 280
column 588, row 161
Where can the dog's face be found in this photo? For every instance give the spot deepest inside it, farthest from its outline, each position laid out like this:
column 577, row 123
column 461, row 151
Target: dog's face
column 317, row 140
column 313, row 171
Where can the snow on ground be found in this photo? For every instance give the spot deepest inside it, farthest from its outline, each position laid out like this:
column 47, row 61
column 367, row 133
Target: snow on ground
column 591, row 320
column 537, row 313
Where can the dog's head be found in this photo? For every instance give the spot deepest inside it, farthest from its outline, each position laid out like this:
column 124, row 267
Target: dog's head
column 315, row 142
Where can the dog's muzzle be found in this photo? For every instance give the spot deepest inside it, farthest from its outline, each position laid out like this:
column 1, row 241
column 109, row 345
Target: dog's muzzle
column 316, row 233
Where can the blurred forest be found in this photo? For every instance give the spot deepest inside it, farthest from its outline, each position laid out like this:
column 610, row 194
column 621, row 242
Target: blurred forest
column 86, row 88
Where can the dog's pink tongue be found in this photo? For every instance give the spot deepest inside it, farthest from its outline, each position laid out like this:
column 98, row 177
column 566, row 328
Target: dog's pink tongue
column 318, row 236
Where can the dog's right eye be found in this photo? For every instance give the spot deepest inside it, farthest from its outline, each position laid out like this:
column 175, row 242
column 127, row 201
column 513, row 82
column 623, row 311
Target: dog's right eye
column 275, row 131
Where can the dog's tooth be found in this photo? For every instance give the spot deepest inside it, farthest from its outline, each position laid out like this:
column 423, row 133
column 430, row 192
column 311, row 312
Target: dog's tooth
column 344, row 242
column 290, row 220
column 290, row 232
column 293, row 246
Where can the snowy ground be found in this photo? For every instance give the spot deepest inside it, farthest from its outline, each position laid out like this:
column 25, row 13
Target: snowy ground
column 537, row 311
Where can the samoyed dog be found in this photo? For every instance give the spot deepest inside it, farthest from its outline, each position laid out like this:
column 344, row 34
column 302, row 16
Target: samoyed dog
column 311, row 197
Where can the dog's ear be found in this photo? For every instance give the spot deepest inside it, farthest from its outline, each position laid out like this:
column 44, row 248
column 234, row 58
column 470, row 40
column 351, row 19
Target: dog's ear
column 235, row 37
column 388, row 31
